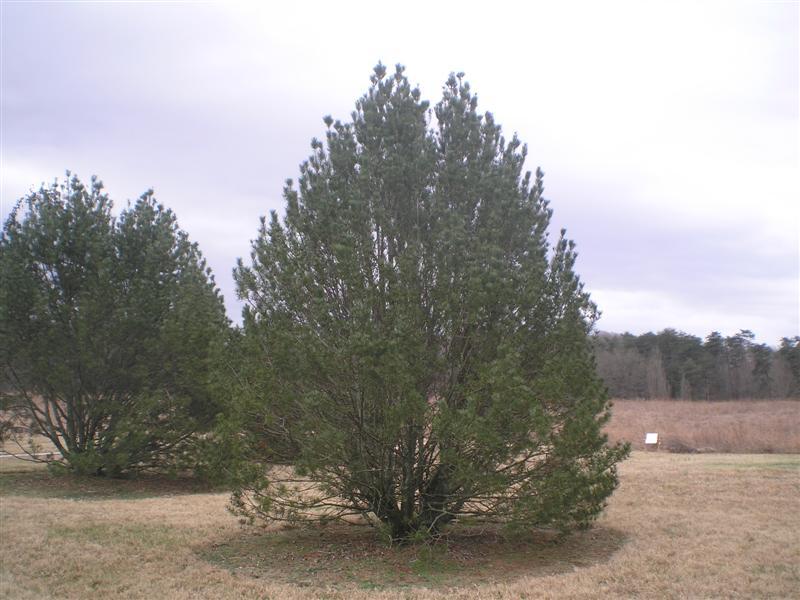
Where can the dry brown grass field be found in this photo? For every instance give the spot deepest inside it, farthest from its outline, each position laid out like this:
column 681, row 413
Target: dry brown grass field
column 741, row 426
column 680, row 526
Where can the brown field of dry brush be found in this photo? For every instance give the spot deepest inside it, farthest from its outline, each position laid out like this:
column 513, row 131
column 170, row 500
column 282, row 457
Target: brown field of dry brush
column 741, row 426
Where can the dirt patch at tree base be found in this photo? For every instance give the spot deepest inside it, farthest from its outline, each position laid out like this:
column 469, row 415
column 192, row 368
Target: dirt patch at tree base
column 344, row 555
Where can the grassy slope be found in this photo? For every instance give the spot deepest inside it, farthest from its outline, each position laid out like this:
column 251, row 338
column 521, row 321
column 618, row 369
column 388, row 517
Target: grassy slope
column 706, row 525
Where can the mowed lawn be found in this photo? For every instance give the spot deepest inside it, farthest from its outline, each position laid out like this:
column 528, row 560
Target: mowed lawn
column 690, row 526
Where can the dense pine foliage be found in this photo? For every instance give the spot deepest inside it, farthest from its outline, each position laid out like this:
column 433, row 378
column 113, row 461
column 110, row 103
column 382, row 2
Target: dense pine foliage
column 107, row 329
column 417, row 349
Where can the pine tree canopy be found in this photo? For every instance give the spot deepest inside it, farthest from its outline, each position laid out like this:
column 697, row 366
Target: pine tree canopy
column 108, row 327
column 421, row 349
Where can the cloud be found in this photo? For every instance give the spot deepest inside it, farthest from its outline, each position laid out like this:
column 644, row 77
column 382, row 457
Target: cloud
column 635, row 311
column 668, row 132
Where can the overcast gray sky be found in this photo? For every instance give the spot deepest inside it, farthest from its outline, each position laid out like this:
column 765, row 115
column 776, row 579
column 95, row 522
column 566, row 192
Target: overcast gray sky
column 668, row 131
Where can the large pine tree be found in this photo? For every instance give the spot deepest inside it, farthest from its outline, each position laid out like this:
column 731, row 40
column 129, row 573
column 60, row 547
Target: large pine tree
column 425, row 349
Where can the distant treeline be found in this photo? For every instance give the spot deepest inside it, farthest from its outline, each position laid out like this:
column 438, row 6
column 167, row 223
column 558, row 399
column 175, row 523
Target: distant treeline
column 673, row 364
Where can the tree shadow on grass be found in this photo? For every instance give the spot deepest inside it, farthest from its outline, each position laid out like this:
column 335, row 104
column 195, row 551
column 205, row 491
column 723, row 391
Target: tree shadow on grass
column 43, row 484
column 342, row 555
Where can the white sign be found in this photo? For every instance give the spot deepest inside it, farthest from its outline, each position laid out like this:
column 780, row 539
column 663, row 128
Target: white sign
column 651, row 438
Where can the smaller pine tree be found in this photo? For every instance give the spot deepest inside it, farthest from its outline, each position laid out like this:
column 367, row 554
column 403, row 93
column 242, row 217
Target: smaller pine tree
column 108, row 329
